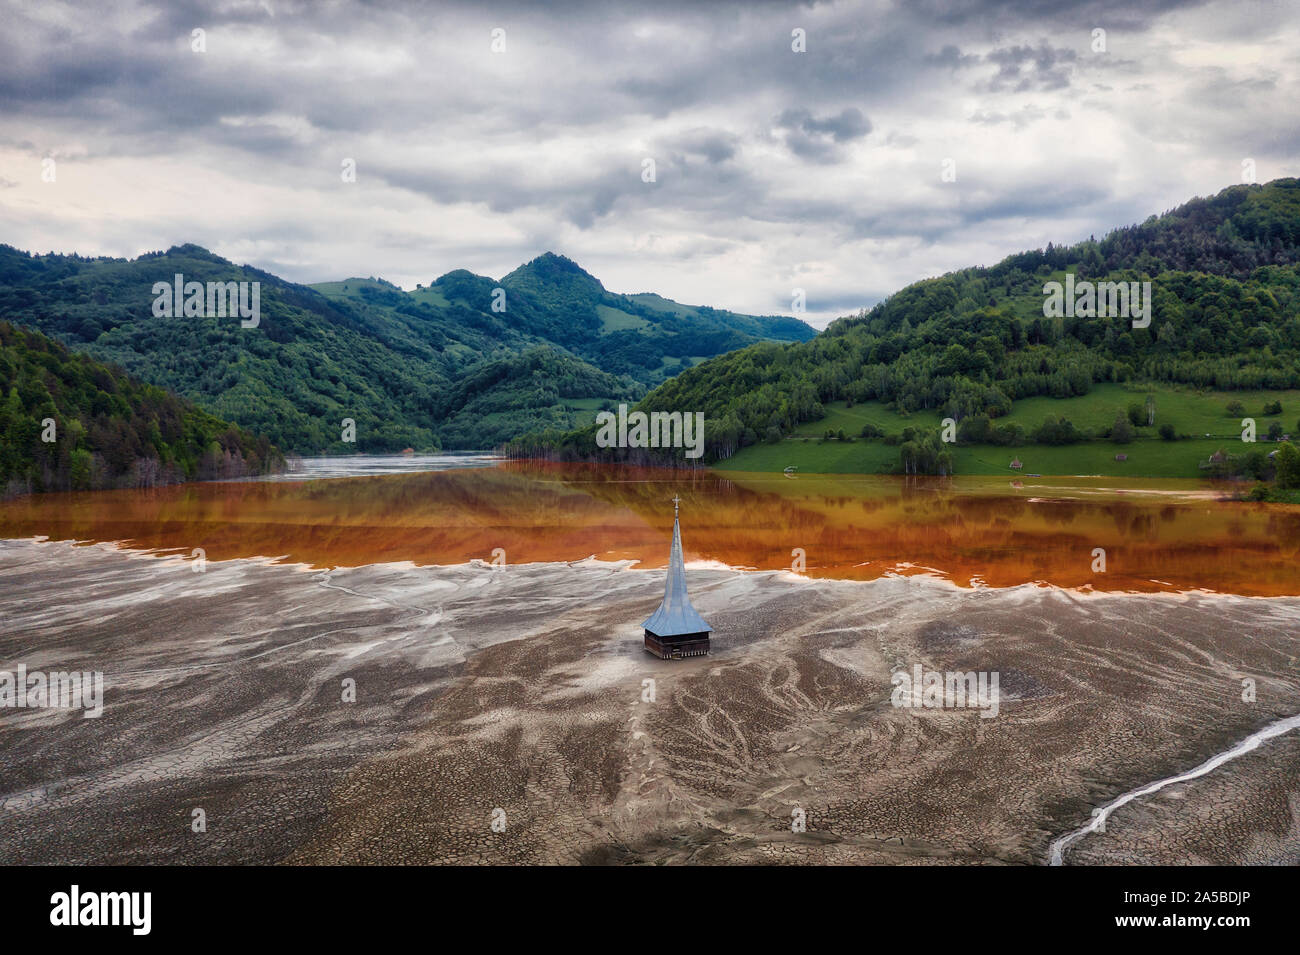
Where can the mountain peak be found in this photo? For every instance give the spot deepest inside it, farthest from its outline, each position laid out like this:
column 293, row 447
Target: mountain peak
column 554, row 271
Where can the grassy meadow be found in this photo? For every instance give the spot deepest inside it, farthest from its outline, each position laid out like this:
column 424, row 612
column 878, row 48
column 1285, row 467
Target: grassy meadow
column 1200, row 420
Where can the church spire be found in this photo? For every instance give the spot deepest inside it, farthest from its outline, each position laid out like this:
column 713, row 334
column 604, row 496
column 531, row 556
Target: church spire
column 676, row 629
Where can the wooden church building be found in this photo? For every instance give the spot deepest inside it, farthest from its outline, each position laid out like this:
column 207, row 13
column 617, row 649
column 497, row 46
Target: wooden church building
column 675, row 630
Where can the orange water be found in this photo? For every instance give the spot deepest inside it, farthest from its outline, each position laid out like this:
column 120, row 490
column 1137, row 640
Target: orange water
column 1157, row 535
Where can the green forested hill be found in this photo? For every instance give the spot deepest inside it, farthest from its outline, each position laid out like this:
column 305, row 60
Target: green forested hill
column 552, row 301
column 535, row 390
column 307, row 365
column 400, row 365
column 69, row 422
column 1225, row 277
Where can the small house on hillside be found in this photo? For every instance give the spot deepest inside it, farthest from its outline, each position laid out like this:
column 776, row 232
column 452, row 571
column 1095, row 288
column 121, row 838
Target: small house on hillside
column 1121, row 457
column 1015, row 463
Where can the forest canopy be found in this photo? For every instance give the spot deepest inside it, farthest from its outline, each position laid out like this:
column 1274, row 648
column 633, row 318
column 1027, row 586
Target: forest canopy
column 68, row 422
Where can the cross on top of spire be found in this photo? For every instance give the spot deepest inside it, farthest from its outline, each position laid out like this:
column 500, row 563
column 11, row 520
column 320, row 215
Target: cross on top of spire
column 676, row 501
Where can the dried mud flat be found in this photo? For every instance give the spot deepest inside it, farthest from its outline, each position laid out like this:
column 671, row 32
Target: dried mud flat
column 520, row 689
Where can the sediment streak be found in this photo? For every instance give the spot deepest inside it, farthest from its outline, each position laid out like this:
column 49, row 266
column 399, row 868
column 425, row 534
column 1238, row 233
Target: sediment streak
column 1247, row 745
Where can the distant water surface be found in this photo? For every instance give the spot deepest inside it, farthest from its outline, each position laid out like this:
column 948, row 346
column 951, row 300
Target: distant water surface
column 368, row 465
column 1107, row 534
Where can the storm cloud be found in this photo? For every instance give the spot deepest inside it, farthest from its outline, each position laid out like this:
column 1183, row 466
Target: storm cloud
column 788, row 145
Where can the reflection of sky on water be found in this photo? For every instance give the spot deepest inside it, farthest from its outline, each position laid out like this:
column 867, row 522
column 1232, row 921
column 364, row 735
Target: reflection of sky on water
column 369, row 465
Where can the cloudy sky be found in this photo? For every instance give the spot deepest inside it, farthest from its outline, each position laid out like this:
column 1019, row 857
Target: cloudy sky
column 773, row 169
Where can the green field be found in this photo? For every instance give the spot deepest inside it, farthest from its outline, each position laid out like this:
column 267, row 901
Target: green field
column 430, row 295
column 852, row 419
column 1146, row 458
column 1193, row 415
column 831, row 457
column 659, row 303
column 615, row 319
column 1190, row 412
column 584, row 409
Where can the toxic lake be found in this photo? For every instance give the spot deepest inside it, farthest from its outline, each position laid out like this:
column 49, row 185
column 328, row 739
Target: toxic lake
column 1148, row 535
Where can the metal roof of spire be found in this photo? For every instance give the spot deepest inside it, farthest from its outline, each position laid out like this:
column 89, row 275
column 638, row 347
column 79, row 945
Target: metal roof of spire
column 675, row 615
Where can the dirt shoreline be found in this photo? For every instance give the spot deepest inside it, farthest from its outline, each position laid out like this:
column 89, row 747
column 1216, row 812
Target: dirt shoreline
column 520, row 689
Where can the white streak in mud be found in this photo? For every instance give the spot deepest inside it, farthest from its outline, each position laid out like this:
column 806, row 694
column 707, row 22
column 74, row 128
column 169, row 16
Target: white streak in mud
column 322, row 578
column 1250, row 743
